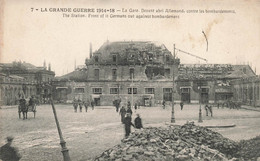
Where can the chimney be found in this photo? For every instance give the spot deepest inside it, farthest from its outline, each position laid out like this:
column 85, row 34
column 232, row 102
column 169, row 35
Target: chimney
column 90, row 50
column 49, row 68
column 44, row 64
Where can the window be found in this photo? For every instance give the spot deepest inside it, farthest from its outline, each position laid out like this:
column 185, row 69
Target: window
column 132, row 73
column 167, row 72
column 114, row 74
column 167, row 94
column 96, row 74
column 97, row 90
column 149, row 90
column 113, row 90
column 114, row 58
column 204, row 90
column 167, row 58
column 130, row 90
column 185, row 90
column 79, row 90
column 96, row 59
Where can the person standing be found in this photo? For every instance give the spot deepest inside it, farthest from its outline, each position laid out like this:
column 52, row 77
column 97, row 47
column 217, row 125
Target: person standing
column 163, row 104
column 210, row 110
column 80, row 105
column 181, row 104
column 138, row 122
column 122, row 112
column 128, row 124
column 129, row 111
column 8, row 152
column 92, row 104
column 206, row 109
column 86, row 105
column 128, row 104
column 75, row 105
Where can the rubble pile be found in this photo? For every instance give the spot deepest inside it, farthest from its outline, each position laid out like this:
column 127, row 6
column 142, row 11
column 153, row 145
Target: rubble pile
column 250, row 149
column 187, row 142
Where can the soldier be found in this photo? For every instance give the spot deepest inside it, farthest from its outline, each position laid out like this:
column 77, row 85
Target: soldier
column 75, row 105
column 122, row 112
column 138, row 122
column 135, row 106
column 128, row 123
column 80, row 105
column 9, row 153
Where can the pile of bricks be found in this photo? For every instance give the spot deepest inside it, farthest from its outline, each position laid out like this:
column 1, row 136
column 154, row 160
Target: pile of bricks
column 187, row 142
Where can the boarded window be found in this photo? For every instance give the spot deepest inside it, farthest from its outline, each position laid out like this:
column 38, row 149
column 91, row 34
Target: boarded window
column 130, row 90
column 149, row 90
column 97, row 90
column 96, row 74
column 113, row 90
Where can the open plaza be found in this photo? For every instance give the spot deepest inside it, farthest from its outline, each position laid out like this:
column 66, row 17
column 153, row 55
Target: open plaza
column 88, row 134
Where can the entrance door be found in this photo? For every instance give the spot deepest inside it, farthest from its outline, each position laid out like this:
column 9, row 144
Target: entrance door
column 204, row 98
column 97, row 101
column 185, row 97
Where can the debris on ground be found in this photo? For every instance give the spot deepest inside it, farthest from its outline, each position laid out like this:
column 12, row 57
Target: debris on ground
column 250, row 149
column 187, row 142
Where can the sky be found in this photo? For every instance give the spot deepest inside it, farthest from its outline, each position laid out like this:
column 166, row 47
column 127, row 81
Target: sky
column 233, row 38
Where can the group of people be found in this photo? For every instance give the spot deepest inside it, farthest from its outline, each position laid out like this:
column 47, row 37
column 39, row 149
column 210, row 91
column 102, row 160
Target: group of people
column 78, row 103
column 126, row 119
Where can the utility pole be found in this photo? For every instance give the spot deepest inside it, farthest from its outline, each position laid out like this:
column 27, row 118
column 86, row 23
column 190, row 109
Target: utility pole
column 172, row 117
column 64, row 150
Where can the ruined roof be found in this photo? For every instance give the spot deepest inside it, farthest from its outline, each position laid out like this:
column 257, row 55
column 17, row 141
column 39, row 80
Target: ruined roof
column 131, row 52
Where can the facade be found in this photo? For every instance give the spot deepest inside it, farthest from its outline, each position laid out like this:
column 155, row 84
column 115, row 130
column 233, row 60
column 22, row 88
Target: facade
column 20, row 78
column 246, row 90
column 143, row 72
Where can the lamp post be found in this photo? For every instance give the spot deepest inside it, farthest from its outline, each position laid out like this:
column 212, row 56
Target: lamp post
column 200, row 115
column 64, row 150
column 173, row 117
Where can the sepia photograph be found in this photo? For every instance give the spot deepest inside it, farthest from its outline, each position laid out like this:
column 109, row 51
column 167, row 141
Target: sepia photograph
column 145, row 80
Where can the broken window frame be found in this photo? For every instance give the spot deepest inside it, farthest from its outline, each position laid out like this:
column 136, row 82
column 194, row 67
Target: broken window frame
column 149, row 90
column 114, row 90
column 130, row 90
column 97, row 90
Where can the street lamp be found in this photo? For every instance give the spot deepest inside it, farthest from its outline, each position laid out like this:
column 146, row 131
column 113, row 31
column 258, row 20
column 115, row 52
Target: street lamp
column 200, row 115
column 64, row 150
column 172, row 117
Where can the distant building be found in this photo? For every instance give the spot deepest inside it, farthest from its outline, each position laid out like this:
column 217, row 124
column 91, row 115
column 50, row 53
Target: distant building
column 246, row 90
column 24, row 79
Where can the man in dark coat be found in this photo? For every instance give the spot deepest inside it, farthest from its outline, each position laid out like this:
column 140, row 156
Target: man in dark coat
column 138, row 122
column 206, row 109
column 122, row 112
column 163, row 104
column 210, row 110
column 129, row 111
column 92, row 104
column 80, row 105
column 181, row 104
column 9, row 153
column 128, row 123
column 75, row 105
column 86, row 105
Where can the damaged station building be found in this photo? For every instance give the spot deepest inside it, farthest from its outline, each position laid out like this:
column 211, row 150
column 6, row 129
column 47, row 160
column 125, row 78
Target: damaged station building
column 144, row 71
